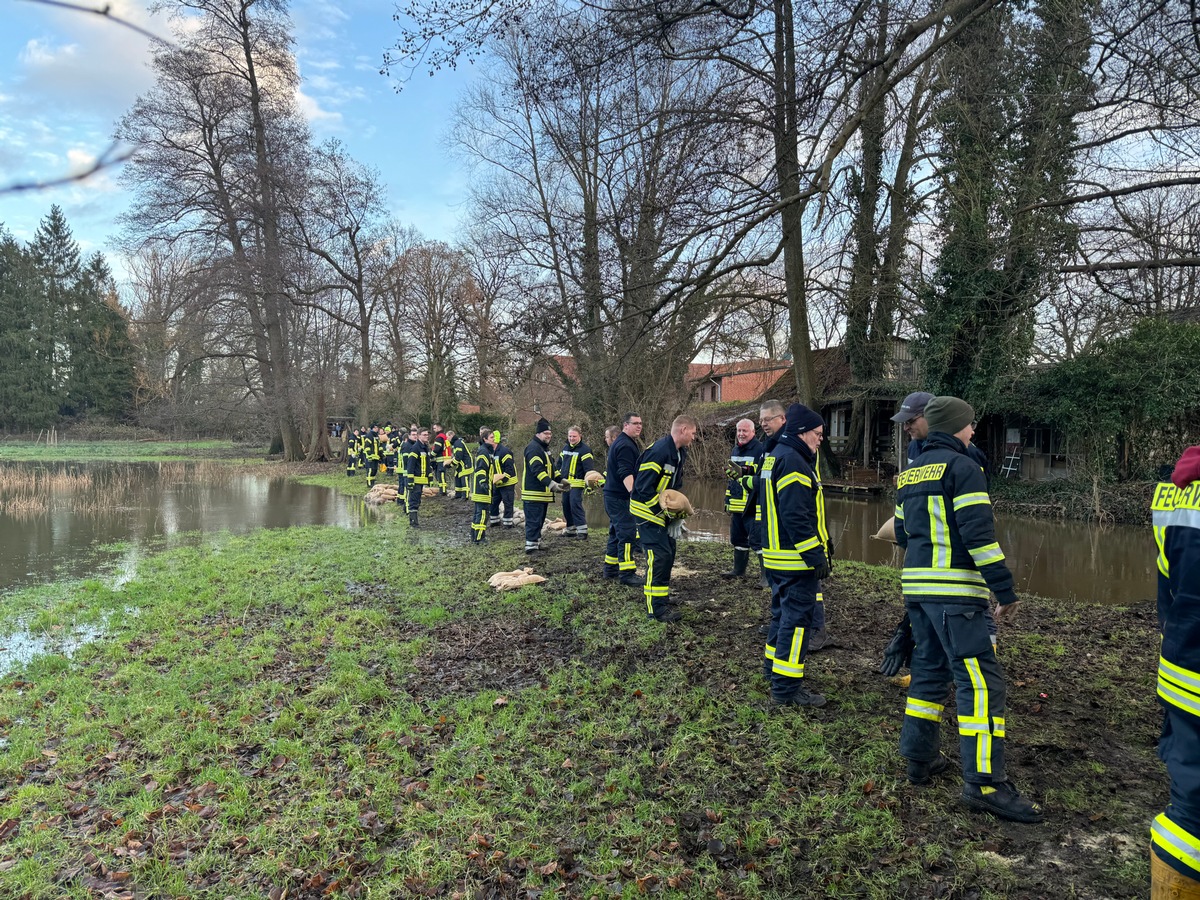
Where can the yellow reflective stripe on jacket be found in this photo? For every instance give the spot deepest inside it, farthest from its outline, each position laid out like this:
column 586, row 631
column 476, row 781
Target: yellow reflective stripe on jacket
column 899, row 513
column 650, row 465
column 793, row 478
column 963, row 500
column 811, row 544
column 939, row 531
column 1176, row 841
column 987, row 554
column 923, row 709
column 915, row 573
column 644, row 511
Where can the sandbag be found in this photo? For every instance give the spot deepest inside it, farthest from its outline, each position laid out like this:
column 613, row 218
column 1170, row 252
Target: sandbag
column 510, row 581
column 429, row 492
column 676, row 503
column 887, row 531
column 593, row 477
column 556, row 524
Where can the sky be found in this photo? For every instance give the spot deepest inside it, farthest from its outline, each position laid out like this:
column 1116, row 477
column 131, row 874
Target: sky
column 66, row 77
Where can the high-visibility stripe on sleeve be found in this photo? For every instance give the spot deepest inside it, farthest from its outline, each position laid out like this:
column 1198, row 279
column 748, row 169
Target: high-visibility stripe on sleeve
column 650, row 465
column 972, row 499
column 986, row 555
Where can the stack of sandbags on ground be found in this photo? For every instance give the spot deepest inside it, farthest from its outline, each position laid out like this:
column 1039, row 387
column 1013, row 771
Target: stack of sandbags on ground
column 382, row 493
column 556, row 524
column 518, row 516
column 510, row 581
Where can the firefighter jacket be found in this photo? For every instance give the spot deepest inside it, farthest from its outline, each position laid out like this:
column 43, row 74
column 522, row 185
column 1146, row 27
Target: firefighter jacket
column 575, row 462
column 539, row 472
column 416, row 465
column 659, row 468
column 481, row 474
column 462, row 456
column 791, row 507
column 1175, row 834
column 369, row 446
column 438, row 448
column 352, row 445
column 505, row 465
column 944, row 523
column 738, row 491
column 622, row 462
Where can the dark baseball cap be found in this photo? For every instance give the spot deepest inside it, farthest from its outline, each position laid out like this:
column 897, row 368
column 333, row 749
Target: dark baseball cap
column 914, row 405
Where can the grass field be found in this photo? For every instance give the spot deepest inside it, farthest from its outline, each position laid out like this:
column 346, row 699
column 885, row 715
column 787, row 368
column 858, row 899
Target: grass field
column 323, row 712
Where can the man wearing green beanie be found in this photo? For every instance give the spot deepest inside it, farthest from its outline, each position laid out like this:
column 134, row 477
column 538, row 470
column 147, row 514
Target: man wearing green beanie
column 951, row 562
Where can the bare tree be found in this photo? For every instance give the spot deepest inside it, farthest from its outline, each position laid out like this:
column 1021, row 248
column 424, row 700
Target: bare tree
column 218, row 142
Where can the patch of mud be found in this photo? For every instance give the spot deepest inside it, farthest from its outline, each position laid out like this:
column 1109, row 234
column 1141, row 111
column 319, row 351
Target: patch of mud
column 489, row 655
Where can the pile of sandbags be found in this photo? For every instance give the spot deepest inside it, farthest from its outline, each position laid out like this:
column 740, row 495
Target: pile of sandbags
column 557, row 524
column 510, row 581
column 382, row 493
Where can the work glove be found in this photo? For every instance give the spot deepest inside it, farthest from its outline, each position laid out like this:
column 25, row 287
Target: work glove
column 555, row 487
column 824, row 570
column 675, row 528
column 734, row 470
column 898, row 653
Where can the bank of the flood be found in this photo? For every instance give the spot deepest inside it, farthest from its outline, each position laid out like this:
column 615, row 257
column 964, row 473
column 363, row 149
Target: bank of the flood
column 323, row 712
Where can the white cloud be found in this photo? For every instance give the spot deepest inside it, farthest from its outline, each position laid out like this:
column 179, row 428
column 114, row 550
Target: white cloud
column 320, row 119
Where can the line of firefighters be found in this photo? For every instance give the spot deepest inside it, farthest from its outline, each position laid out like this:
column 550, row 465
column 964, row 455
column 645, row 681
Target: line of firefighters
column 952, row 566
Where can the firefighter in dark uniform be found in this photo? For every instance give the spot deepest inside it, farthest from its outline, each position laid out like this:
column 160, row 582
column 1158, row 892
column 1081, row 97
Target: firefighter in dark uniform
column 418, row 474
column 440, row 457
column 951, row 561
column 575, row 462
column 739, row 491
column 504, row 488
column 402, row 477
column 539, row 484
column 660, row 468
column 483, row 468
column 352, row 452
column 371, row 452
column 787, row 493
column 1175, row 834
column 461, row 464
column 387, row 449
column 620, row 470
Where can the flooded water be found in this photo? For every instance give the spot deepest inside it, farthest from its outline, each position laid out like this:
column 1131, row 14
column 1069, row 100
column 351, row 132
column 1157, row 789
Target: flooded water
column 1065, row 560
column 61, row 521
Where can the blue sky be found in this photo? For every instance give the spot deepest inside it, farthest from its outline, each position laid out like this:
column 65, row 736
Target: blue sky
column 66, row 77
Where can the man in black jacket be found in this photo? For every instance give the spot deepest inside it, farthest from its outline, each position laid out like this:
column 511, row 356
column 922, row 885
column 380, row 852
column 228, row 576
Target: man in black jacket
column 951, row 562
column 504, row 489
column 660, row 468
column 620, row 469
column 792, row 521
column 739, row 493
column 538, row 485
column 575, row 462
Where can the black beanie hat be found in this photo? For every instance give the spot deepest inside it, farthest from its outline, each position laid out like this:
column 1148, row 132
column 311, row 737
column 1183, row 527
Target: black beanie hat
column 542, row 425
column 801, row 419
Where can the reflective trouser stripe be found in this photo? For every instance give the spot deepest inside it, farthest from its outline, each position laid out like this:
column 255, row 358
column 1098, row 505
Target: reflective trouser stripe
column 1176, row 842
column 983, row 740
column 610, row 560
column 923, row 709
column 792, row 667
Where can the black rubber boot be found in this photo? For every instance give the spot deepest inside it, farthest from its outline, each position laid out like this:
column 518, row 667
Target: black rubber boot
column 412, row 520
column 799, row 697
column 630, row 579
column 762, row 573
column 1003, row 800
column 740, row 560
column 923, row 772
